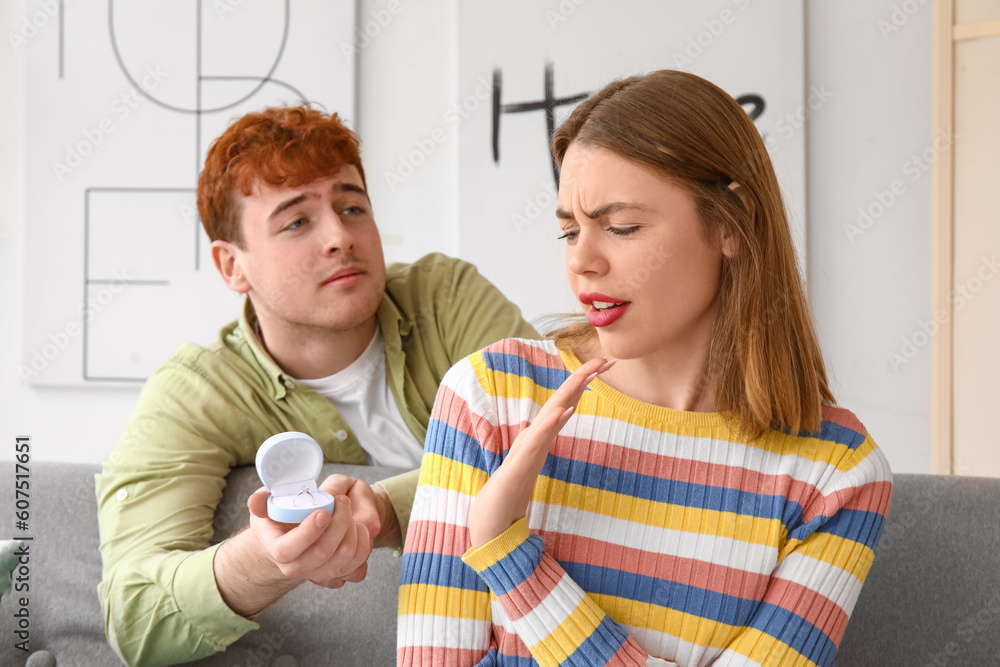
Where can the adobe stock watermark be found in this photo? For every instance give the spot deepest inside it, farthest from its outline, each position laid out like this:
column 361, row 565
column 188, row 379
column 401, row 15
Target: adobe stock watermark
column 40, row 357
column 93, row 137
column 899, row 16
column 566, row 9
column 534, row 206
column 963, row 293
column 712, row 30
column 425, row 147
column 33, row 23
column 914, row 168
column 793, row 121
column 372, row 28
column 223, row 7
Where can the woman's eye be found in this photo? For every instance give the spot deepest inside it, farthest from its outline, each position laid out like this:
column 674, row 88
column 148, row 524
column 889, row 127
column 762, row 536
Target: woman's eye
column 569, row 236
column 622, row 231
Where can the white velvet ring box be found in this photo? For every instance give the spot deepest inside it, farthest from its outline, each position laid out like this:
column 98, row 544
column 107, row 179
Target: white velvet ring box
column 288, row 464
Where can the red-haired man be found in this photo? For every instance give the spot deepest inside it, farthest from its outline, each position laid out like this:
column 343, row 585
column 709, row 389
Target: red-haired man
column 331, row 342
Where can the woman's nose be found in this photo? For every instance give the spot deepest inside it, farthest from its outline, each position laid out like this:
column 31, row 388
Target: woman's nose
column 586, row 254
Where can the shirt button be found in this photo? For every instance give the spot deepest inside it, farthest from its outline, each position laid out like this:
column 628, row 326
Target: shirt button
column 341, row 434
column 122, row 494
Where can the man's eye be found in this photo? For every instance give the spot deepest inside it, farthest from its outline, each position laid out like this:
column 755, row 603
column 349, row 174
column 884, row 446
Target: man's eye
column 354, row 210
column 298, row 223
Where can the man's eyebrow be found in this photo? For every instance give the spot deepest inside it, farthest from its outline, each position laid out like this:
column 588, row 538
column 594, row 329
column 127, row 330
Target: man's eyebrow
column 298, row 199
column 350, row 187
column 289, row 203
column 602, row 210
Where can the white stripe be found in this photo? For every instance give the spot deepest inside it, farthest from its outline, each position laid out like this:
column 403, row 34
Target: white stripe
column 670, row 647
column 731, row 658
column 443, row 632
column 832, row 582
column 434, row 503
column 545, row 618
column 716, row 549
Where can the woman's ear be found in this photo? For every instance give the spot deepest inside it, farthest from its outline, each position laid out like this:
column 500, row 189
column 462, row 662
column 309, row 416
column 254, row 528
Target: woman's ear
column 729, row 241
column 228, row 261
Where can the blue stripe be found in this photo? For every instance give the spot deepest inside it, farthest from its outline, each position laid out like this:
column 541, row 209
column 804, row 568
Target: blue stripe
column 550, row 378
column 504, row 660
column 685, row 494
column 693, row 600
column 602, row 644
column 510, row 571
column 796, row 632
column 860, row 526
column 439, row 570
column 719, row 607
column 835, row 433
column 450, row 442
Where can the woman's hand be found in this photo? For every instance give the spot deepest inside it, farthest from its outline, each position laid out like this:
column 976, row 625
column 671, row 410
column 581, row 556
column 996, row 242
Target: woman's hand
column 505, row 496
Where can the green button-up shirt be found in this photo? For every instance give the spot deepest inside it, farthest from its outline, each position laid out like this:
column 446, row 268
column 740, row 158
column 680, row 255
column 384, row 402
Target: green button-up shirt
column 208, row 409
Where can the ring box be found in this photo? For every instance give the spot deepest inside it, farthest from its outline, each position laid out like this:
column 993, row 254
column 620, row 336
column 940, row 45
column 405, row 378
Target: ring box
column 289, row 464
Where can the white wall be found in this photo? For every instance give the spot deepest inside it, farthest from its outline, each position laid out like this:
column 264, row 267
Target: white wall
column 866, row 295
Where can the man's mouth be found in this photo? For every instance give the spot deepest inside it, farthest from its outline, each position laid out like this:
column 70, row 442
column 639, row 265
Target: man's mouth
column 344, row 275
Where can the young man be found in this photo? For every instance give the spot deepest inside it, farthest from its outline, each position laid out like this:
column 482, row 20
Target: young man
column 331, row 343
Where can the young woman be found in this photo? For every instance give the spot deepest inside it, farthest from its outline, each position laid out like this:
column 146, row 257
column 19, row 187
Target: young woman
column 703, row 501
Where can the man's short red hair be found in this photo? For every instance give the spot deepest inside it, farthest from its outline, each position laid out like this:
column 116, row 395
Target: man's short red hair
column 279, row 146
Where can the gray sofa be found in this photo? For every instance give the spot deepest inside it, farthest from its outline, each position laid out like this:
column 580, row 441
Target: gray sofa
column 931, row 597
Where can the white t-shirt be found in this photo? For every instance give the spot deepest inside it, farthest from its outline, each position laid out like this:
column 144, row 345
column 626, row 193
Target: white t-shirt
column 362, row 395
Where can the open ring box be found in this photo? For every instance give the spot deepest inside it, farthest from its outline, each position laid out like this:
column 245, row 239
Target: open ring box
column 288, row 464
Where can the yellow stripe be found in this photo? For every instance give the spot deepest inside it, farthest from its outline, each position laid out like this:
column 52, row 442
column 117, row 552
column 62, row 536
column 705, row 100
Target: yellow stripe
column 571, row 633
column 450, row 474
column 512, row 386
column 764, row 649
column 848, row 555
column 688, row 627
column 444, row 601
column 754, row 530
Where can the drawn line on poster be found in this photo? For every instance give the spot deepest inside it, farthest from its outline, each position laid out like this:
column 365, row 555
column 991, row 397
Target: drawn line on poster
column 88, row 281
column 550, row 102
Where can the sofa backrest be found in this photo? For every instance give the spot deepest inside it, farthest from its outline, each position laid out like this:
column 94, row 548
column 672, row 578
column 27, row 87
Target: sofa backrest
column 931, row 598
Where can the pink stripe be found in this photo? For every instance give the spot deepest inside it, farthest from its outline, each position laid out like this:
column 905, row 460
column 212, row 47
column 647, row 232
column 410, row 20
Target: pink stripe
column 510, row 644
column 438, row 538
column 444, row 657
column 527, row 596
column 809, row 605
column 843, row 417
column 731, row 581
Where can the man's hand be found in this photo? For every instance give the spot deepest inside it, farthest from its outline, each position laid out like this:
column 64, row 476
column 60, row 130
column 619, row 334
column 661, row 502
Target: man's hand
column 326, row 550
column 371, row 507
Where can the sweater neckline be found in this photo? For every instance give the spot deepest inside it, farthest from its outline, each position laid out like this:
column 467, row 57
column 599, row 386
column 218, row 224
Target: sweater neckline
column 642, row 409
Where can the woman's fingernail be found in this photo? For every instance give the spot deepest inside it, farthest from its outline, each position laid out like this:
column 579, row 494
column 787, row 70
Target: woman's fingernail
column 566, row 415
column 606, row 366
column 591, row 377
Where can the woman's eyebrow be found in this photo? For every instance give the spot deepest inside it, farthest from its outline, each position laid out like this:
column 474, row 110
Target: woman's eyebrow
column 602, row 210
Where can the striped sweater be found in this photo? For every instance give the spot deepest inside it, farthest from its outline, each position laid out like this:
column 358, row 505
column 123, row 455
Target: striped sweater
column 650, row 532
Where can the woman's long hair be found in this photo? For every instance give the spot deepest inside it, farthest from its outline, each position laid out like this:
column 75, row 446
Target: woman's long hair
column 765, row 362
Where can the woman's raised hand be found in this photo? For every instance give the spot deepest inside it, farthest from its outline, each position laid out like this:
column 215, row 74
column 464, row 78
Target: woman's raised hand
column 505, row 496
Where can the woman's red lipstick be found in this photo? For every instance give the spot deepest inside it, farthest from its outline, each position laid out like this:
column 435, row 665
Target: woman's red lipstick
column 603, row 318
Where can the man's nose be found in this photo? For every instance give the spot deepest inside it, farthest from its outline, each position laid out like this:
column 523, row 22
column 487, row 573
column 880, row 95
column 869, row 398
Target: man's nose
column 336, row 235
